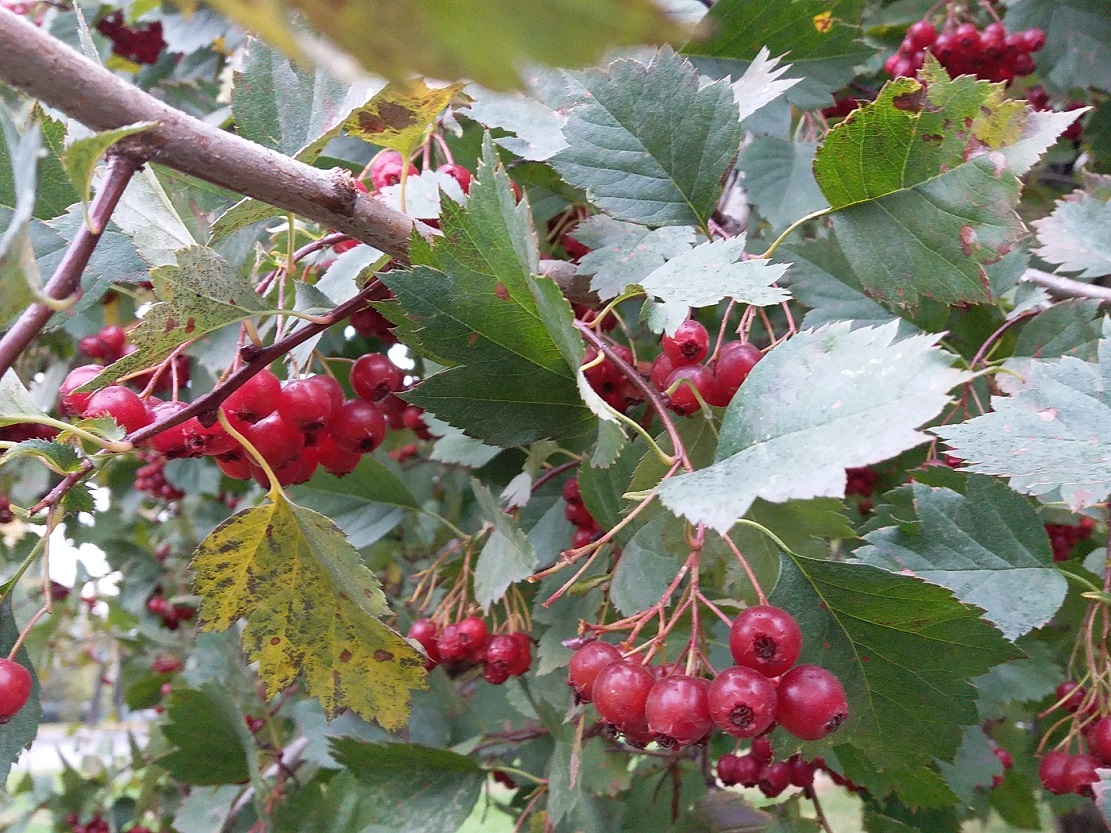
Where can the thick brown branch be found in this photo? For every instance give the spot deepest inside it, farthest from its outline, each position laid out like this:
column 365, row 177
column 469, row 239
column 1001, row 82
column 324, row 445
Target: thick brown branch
column 47, row 69
column 67, row 277
column 1067, row 287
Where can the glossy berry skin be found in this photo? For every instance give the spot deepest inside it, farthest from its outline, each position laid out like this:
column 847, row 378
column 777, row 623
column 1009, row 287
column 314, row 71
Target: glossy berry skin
column 524, row 654
column 732, row 366
column 687, row 379
column 257, row 398
column 186, row 439
column 744, row 770
column 811, row 702
column 678, row 710
column 310, row 403
column 801, row 770
column 766, row 639
column 762, row 749
column 336, row 460
column 620, row 692
column 662, row 367
column 586, row 663
column 1080, row 773
column 689, row 344
column 1099, row 740
column 275, row 439
column 1071, row 695
column 374, row 377
column 459, row 174
column 774, row 779
column 742, row 702
column 425, row 632
column 75, row 403
column 464, row 641
column 113, row 338
column 1051, row 771
column 15, row 688
column 921, row 34
column 505, row 655
column 120, row 403
column 358, row 427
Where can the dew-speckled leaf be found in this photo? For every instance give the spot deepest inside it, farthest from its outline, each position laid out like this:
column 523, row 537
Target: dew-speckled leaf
column 488, row 41
column 471, row 305
column 210, row 743
column 921, row 207
column 649, row 143
column 707, row 274
column 1077, row 236
column 779, row 179
column 197, row 295
column 625, row 253
column 1053, row 432
column 988, row 546
column 311, row 608
column 819, row 403
column 398, row 116
column 24, row 726
column 905, row 651
column 538, row 129
column 81, row 157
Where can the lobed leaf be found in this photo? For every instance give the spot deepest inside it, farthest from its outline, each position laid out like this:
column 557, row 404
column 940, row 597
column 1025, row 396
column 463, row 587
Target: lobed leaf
column 1076, row 237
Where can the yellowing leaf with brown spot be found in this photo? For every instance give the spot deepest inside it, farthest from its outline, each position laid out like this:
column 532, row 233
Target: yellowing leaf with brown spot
column 311, row 607
column 399, row 115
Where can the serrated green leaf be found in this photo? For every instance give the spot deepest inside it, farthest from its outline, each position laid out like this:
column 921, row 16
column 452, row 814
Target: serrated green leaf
column 1071, row 327
column 538, row 129
column 55, row 191
column 16, row 404
column 198, row 295
column 211, row 744
column 1076, row 236
column 1053, row 432
column 365, row 504
column 21, row 729
column 312, row 608
column 19, row 274
column 818, row 36
column 61, row 459
column 246, row 212
column 506, row 557
column 761, row 83
column 81, row 156
column 819, row 403
column 919, row 208
column 904, row 650
column 648, row 143
column 625, row 253
column 988, row 546
column 644, row 571
column 456, row 448
column 779, row 179
column 469, row 304
column 707, row 274
column 146, row 215
column 973, row 766
column 915, row 787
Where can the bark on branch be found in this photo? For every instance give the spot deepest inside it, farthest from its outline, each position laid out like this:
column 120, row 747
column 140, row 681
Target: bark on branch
column 47, row 69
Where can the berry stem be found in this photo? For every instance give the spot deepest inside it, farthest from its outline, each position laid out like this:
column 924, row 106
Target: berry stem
column 813, row 215
column 275, row 492
column 42, row 611
column 744, row 561
column 812, row 794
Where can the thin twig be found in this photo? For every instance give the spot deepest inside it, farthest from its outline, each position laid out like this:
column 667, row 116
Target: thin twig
column 1067, row 287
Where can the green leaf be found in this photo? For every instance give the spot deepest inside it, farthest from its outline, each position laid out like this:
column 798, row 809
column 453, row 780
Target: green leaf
column 198, row 295
column 365, row 504
column 246, row 212
column 648, row 143
column 489, row 42
column 81, row 157
column 205, row 809
column 19, row 274
column 411, row 789
column 988, row 546
column 1076, row 236
column 506, row 557
column 55, row 191
column 311, row 608
column 819, row 403
column 1072, row 327
column 538, row 129
column 146, row 215
column 973, row 766
column 707, row 274
column 625, row 253
column 761, row 84
column 212, row 744
column 1052, row 433
column 920, row 208
column 1020, row 681
column 18, row 732
column 644, row 571
column 818, row 36
column 400, row 114
column 456, row 448
column 779, row 179
column 469, row 304
column 61, row 459
column 905, row 651
column 1077, row 51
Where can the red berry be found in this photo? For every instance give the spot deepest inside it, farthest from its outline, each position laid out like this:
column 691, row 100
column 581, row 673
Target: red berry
column 739, row 769
column 113, row 338
column 802, row 771
column 761, row 749
column 166, row 665
column 374, row 377
column 811, row 702
column 774, row 779
column 464, row 641
column 619, row 693
column 742, row 702
column 370, row 323
column 1005, row 757
column 504, row 655
column 571, row 490
column 687, row 379
column 1099, row 740
column 310, row 403
column 766, row 639
column 968, row 38
column 945, row 47
column 661, row 369
column 358, row 427
column 921, row 34
column 298, row 470
column 425, row 632
column 583, row 535
column 734, row 362
column 727, row 770
column 123, row 405
column 1051, row 771
column 235, row 467
column 586, row 663
column 275, row 439
column 1080, row 773
column 15, row 688
column 255, row 399
column 678, row 710
column 577, row 513
column 413, row 419
column 1033, row 40
column 1071, row 695
column 386, row 168
column 75, row 403
column 689, row 344
column 524, row 654
column 459, row 174
column 336, row 460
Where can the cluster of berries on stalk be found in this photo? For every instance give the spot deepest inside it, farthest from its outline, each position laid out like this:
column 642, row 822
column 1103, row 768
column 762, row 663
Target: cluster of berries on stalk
column 468, row 642
column 764, row 689
column 1063, row 537
column 170, row 614
column 1063, row 772
column 993, row 54
column 679, row 371
column 141, row 44
column 586, row 528
column 758, row 768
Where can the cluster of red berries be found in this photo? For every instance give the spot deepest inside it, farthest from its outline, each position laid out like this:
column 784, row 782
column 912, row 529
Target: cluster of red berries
column 172, row 615
column 15, row 689
column 758, row 769
column 586, row 528
column 679, row 366
column 1062, row 772
column 151, row 478
column 1038, row 98
column 861, row 481
column 502, row 655
column 607, row 380
column 6, row 514
column 678, row 709
column 993, row 54
column 141, row 44
column 1063, row 537
column 1006, row 759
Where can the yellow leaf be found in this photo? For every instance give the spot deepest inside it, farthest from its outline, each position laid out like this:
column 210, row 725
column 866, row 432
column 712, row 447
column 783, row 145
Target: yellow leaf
column 312, row 608
column 823, row 22
column 399, row 115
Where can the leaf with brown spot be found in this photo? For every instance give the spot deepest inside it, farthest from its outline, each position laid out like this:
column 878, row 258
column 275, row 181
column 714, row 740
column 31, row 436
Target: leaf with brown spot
column 398, row 116
column 286, row 574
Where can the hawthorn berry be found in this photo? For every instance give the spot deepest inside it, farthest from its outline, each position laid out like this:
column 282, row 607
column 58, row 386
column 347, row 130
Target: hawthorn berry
column 742, row 702
column 619, row 693
column 761, row 749
column 275, row 439
column 75, row 403
column 687, row 379
column 585, row 665
column 1099, row 740
column 811, row 702
column 123, row 405
column 507, row 654
column 386, row 169
column 1051, row 772
column 336, row 460
column 766, row 639
column 774, row 779
column 734, row 362
column 254, row 399
column 459, row 174
column 1071, row 695
column 310, row 403
column 1080, row 773
column 678, row 710
column 744, row 770
column 358, row 427
column 374, row 377
column 801, row 770
column 15, row 688
column 688, row 345
column 463, row 641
